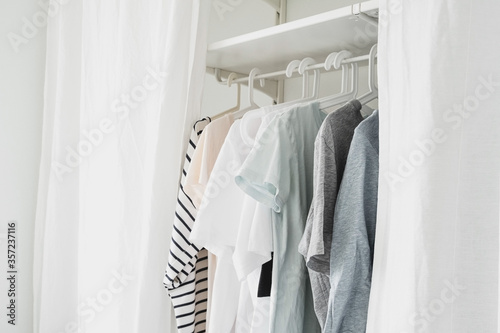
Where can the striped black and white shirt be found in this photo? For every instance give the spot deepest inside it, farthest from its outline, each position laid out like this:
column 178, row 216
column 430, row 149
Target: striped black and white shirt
column 186, row 275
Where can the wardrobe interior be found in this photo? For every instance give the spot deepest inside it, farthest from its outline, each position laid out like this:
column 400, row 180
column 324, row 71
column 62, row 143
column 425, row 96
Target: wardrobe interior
column 232, row 19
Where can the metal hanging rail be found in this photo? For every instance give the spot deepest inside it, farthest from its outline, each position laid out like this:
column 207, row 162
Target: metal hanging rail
column 274, row 47
column 282, row 73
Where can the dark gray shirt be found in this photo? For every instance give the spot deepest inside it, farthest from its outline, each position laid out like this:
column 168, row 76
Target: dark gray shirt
column 353, row 239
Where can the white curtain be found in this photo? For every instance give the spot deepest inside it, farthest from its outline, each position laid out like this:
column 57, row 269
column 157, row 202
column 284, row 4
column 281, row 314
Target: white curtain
column 123, row 83
column 437, row 258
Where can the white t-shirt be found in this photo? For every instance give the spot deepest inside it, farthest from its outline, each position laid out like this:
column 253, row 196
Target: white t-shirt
column 253, row 315
column 259, row 240
column 225, row 207
column 277, row 173
column 254, row 243
column 226, row 218
column 216, row 229
column 255, row 238
column 218, row 218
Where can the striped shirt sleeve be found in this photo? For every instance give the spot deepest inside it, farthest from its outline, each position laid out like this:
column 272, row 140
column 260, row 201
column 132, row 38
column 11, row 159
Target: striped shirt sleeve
column 185, row 278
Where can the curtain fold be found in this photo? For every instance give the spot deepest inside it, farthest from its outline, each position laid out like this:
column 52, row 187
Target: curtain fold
column 436, row 266
column 123, row 84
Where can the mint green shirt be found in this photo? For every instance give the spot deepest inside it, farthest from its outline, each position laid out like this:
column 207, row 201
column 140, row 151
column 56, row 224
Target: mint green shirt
column 279, row 173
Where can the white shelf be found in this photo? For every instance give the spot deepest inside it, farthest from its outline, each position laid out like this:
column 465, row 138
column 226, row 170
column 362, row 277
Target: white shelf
column 315, row 36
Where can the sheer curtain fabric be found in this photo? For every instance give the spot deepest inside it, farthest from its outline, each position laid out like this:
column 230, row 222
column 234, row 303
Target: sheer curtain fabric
column 122, row 90
column 436, row 266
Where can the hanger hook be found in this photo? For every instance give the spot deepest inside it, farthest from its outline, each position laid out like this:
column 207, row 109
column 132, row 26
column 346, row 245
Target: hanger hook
column 256, row 71
column 217, row 74
column 341, row 56
column 304, row 63
column 251, row 78
column 302, row 70
column 329, row 60
column 232, row 76
column 291, row 67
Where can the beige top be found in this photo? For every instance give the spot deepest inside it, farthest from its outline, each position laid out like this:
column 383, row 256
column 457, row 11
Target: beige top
column 205, row 155
column 202, row 163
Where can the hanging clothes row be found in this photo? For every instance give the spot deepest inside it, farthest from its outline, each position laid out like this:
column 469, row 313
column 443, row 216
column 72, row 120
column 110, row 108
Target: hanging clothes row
column 284, row 200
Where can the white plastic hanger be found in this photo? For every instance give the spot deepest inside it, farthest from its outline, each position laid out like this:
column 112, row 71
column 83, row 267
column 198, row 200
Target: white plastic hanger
column 344, row 97
column 230, row 79
column 229, row 82
column 329, row 63
column 301, row 65
column 292, row 66
column 252, row 105
column 302, row 70
column 372, row 81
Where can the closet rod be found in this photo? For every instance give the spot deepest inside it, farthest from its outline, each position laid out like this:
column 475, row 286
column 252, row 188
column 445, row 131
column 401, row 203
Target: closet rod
column 283, row 72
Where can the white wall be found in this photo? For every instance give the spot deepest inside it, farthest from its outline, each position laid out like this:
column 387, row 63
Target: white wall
column 21, row 106
column 230, row 18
